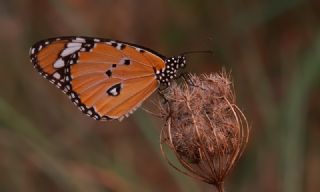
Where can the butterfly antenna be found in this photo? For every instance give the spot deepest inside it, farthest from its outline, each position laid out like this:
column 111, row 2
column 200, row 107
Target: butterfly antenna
column 192, row 52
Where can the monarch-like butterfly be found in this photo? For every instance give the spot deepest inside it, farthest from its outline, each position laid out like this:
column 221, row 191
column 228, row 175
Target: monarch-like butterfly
column 106, row 79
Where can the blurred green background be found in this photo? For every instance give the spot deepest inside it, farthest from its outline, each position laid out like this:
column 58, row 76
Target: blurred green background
column 272, row 48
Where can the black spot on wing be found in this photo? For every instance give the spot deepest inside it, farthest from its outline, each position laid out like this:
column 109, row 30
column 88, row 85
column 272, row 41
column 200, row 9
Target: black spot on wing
column 109, row 73
column 122, row 46
column 127, row 62
column 114, row 90
column 114, row 44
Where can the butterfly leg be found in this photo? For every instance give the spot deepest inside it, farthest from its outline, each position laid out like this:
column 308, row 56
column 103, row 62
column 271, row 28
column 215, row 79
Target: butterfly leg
column 162, row 95
column 166, row 104
column 187, row 78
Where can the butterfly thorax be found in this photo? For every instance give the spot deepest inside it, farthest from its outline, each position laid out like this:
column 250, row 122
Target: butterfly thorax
column 172, row 66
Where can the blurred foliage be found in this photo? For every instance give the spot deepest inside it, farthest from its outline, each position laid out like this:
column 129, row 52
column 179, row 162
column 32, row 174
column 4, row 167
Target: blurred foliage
column 272, row 48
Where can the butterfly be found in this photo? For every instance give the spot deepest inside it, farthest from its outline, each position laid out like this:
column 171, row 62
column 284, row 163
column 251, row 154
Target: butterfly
column 106, row 79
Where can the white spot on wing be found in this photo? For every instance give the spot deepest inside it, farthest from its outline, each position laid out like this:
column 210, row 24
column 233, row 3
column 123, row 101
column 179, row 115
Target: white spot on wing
column 74, row 44
column 79, row 39
column 110, row 42
column 69, row 51
column 56, row 75
column 119, row 46
column 73, row 95
column 114, row 91
column 59, row 63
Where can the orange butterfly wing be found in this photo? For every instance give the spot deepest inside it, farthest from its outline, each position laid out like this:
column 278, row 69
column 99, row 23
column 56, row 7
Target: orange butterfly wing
column 106, row 79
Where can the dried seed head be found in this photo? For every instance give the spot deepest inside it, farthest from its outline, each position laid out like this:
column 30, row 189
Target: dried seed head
column 204, row 128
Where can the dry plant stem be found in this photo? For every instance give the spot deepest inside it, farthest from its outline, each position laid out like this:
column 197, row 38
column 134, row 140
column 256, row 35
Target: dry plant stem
column 150, row 112
column 204, row 128
column 219, row 187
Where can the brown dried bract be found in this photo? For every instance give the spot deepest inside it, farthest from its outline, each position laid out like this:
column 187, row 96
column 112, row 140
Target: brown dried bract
column 204, row 127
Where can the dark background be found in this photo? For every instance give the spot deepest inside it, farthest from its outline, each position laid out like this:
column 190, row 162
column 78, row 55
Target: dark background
column 272, row 48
